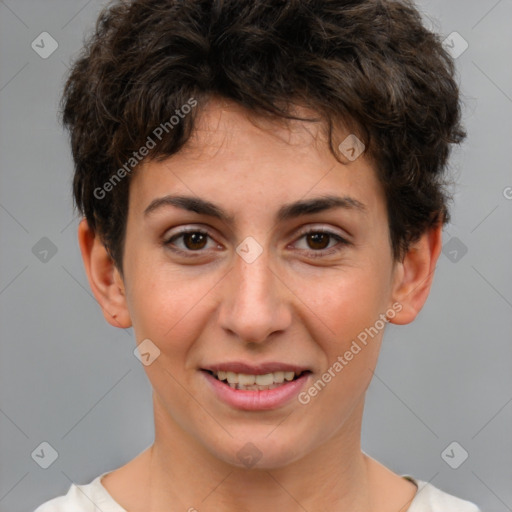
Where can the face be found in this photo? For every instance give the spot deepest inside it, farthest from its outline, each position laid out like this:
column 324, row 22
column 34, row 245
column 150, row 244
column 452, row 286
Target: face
column 240, row 277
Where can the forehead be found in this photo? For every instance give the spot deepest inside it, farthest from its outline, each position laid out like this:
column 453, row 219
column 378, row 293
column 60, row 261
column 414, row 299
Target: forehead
column 224, row 127
column 238, row 159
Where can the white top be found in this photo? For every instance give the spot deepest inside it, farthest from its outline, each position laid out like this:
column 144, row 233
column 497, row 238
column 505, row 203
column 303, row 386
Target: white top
column 93, row 497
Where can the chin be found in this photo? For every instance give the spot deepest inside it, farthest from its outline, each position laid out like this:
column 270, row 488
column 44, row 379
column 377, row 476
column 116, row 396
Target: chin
column 260, row 451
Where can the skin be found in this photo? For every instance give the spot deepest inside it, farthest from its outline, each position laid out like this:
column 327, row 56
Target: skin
column 287, row 305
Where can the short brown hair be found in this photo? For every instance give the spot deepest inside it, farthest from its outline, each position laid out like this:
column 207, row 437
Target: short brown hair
column 368, row 63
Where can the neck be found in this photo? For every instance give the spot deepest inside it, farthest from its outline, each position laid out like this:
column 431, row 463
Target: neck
column 183, row 475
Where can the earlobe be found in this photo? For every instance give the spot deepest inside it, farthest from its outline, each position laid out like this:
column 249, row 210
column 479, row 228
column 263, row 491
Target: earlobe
column 414, row 276
column 104, row 278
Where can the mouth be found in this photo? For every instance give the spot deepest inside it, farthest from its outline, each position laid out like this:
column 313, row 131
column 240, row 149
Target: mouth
column 256, row 387
column 256, row 382
column 263, row 387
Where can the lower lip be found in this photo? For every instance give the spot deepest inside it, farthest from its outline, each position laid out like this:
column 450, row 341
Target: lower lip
column 257, row 400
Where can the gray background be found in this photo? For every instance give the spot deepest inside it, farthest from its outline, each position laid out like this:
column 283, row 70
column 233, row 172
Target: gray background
column 68, row 378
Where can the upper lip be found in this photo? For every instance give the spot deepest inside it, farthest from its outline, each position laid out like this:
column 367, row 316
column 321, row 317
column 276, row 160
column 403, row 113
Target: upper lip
column 255, row 369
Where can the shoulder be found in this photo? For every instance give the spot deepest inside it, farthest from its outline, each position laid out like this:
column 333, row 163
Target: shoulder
column 431, row 499
column 91, row 497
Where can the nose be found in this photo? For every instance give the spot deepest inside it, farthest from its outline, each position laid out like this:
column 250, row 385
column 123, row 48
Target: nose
column 255, row 301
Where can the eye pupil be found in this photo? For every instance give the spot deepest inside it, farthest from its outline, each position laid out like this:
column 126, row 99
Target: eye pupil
column 194, row 238
column 318, row 238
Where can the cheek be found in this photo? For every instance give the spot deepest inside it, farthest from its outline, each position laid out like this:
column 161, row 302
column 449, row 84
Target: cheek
column 349, row 307
column 351, row 346
column 348, row 302
column 164, row 307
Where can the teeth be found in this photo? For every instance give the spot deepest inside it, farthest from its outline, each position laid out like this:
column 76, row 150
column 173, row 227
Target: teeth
column 279, row 377
column 262, row 380
column 249, row 380
column 289, row 375
column 241, row 380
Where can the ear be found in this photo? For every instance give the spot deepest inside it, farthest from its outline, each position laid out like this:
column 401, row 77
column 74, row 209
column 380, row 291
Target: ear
column 413, row 277
column 104, row 278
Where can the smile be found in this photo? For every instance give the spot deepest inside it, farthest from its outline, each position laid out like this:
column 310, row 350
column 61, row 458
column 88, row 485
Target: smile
column 256, row 392
column 249, row 382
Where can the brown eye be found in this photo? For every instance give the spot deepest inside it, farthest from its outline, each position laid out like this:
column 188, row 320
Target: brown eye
column 194, row 240
column 190, row 241
column 317, row 243
column 318, row 240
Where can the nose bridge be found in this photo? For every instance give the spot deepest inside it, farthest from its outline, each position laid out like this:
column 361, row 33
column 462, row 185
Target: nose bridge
column 254, row 306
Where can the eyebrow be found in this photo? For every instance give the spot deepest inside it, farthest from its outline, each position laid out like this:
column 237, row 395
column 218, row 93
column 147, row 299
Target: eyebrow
column 286, row 212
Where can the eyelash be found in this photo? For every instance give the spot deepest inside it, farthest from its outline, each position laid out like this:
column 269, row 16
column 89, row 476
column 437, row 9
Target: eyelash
column 311, row 253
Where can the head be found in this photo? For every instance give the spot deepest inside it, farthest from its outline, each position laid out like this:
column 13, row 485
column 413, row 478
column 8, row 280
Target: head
column 217, row 117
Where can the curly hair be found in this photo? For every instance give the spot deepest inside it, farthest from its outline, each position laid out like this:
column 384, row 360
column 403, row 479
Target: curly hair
column 369, row 64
